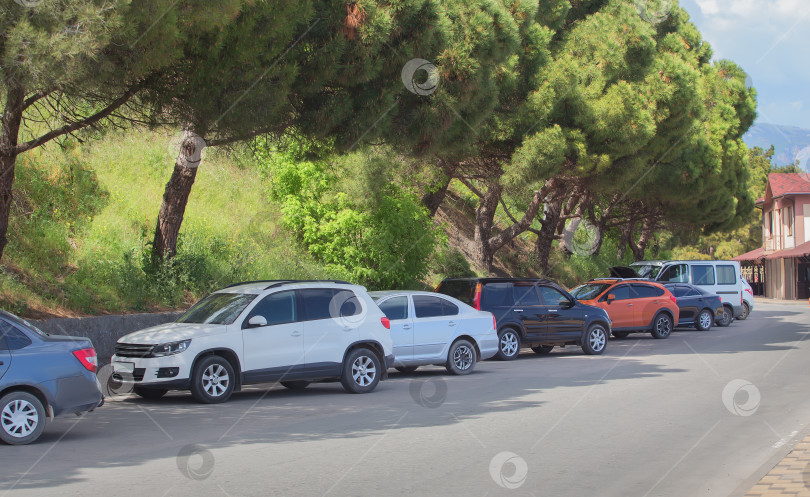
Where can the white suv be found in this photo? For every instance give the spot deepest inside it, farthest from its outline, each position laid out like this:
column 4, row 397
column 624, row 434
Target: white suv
column 295, row 332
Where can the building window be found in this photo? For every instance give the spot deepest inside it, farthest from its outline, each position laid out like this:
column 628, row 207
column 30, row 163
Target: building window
column 788, row 215
column 770, row 224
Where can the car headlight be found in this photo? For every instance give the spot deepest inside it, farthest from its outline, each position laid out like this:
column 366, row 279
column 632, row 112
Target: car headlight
column 171, row 348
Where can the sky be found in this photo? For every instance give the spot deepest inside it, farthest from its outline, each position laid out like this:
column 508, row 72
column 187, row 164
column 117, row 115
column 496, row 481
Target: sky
column 770, row 40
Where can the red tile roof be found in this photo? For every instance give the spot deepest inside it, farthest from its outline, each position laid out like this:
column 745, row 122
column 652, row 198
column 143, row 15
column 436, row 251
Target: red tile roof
column 754, row 255
column 783, row 183
column 802, row 250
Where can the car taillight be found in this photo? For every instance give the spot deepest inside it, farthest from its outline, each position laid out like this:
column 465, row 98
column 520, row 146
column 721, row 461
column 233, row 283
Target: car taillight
column 477, row 297
column 88, row 358
column 494, row 323
column 674, row 299
column 386, row 322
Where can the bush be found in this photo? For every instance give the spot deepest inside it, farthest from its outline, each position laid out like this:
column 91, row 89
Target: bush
column 382, row 244
column 451, row 263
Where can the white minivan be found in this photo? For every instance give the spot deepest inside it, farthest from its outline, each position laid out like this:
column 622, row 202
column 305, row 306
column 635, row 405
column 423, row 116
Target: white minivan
column 723, row 278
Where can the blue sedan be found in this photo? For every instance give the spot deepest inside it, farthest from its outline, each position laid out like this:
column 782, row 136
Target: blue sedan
column 42, row 376
column 697, row 307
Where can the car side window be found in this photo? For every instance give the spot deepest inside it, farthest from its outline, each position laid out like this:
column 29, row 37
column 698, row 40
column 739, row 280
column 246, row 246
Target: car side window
column 276, row 308
column 395, row 308
column 449, row 308
column 675, row 274
column 525, row 295
column 497, row 294
column 692, row 292
column 647, row 291
column 621, row 292
column 726, row 275
column 552, row 296
column 348, row 302
column 677, row 290
column 316, row 303
column 427, row 307
column 702, row 274
column 4, row 327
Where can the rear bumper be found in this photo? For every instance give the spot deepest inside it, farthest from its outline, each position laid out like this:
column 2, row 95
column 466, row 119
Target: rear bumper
column 488, row 346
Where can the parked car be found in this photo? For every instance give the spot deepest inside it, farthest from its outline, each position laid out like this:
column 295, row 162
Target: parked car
column 42, row 376
column 748, row 300
column 633, row 305
column 722, row 278
column 295, row 332
column 697, row 307
column 534, row 313
column 428, row 328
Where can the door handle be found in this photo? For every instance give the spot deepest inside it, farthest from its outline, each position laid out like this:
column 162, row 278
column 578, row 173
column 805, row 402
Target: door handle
column 452, row 323
column 295, row 334
column 552, row 310
column 406, row 327
column 629, row 305
column 518, row 310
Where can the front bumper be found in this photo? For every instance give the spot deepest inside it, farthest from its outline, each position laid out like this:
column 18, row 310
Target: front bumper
column 167, row 372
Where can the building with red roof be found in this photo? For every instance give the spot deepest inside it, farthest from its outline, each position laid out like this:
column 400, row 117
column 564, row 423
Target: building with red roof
column 785, row 251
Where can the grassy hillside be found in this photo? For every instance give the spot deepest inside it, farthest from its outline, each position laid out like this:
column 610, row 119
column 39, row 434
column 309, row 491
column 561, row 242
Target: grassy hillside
column 84, row 216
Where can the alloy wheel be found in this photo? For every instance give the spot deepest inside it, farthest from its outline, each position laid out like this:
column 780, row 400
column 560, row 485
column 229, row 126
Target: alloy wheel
column 463, row 357
column 215, row 380
column 705, row 320
column 509, row 343
column 597, row 339
column 363, row 371
column 19, row 418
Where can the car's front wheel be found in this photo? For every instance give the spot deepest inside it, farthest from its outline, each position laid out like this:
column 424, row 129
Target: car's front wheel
column 361, row 371
column 212, row 380
column 149, row 393
column 22, row 418
column 662, row 326
column 595, row 340
column 461, row 357
column 704, row 320
column 508, row 344
column 727, row 317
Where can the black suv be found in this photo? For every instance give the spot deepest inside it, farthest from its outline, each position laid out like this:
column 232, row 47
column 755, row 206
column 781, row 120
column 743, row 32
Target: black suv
column 532, row 313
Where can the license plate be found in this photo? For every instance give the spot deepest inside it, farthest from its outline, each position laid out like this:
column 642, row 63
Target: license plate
column 124, row 367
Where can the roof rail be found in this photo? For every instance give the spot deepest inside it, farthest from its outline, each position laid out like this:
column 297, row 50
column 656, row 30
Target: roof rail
column 250, row 282
column 290, row 282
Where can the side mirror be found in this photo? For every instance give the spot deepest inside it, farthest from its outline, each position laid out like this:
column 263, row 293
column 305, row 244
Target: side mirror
column 257, row 321
column 610, row 298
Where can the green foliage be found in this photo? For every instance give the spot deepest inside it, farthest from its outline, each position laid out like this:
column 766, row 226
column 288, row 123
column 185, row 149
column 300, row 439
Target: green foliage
column 449, row 262
column 385, row 244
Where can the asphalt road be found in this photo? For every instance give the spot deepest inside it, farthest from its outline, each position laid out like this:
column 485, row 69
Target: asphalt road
column 648, row 418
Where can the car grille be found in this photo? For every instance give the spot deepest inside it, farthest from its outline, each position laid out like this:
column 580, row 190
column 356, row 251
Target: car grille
column 132, row 350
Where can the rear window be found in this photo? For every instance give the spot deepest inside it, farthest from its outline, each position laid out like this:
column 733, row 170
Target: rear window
column 458, row 289
column 497, row 294
column 589, row 291
column 726, row 275
column 702, row 275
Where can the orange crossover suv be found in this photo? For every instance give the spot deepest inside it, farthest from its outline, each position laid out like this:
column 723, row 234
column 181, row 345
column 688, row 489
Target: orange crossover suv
column 633, row 305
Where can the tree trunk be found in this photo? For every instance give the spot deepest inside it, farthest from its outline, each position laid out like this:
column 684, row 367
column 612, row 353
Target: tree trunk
column 175, row 197
column 547, row 234
column 9, row 133
column 484, row 219
column 641, row 247
column 432, row 200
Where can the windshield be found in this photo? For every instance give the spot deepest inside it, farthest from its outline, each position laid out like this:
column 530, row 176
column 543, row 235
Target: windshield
column 647, row 270
column 217, row 308
column 589, row 291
